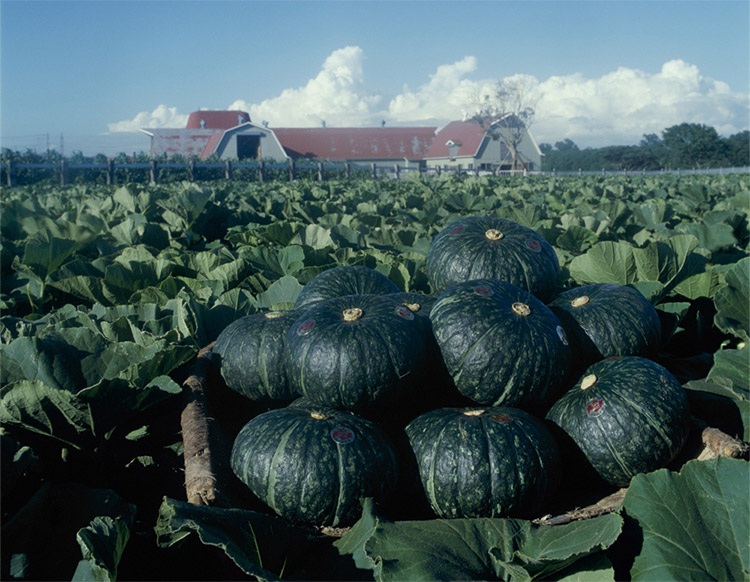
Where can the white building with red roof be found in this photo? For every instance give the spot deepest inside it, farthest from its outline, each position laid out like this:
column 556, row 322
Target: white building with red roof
column 232, row 135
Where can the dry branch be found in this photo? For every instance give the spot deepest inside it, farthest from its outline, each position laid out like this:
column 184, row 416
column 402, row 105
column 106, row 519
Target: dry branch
column 200, row 471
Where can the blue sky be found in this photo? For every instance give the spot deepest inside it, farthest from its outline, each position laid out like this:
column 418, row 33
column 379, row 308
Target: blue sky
column 600, row 72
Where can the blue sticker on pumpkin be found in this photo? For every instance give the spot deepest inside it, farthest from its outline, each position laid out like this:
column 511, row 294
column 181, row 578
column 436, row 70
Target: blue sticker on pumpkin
column 561, row 335
column 405, row 312
column 594, row 407
column 342, row 435
column 305, row 327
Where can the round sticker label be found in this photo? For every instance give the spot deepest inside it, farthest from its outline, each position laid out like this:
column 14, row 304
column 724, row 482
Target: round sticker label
column 594, row 407
column 483, row 290
column 561, row 335
column 501, row 418
column 342, row 435
column 404, row 312
column 456, row 230
column 305, row 327
column 534, row 245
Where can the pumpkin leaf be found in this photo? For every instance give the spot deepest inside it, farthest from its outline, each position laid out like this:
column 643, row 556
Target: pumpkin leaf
column 102, row 543
column 695, row 523
column 605, row 262
column 477, row 549
column 733, row 301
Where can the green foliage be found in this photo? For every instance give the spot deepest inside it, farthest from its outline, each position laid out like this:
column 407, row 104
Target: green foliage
column 108, row 292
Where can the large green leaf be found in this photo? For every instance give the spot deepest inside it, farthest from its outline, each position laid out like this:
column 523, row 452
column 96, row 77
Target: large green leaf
column 733, row 301
column 605, row 262
column 102, row 543
column 45, row 254
column 696, row 523
column 474, row 549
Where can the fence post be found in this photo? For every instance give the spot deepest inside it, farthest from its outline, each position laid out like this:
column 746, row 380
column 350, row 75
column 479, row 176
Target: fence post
column 347, row 170
column 260, row 170
column 228, row 170
column 63, row 172
column 291, row 170
column 437, row 170
column 320, row 171
column 191, row 170
column 398, row 174
column 374, row 171
column 153, row 171
column 11, row 171
column 110, row 171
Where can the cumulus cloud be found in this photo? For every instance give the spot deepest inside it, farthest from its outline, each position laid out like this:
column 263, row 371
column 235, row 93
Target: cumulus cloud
column 162, row 116
column 616, row 108
column 336, row 95
column 620, row 107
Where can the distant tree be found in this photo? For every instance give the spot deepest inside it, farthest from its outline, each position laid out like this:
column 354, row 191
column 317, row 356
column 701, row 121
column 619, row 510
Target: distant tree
column 567, row 145
column 510, row 110
column 693, row 145
column 738, row 149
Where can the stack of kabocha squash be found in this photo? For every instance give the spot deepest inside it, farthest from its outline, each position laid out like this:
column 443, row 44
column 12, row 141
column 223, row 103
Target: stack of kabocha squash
column 469, row 399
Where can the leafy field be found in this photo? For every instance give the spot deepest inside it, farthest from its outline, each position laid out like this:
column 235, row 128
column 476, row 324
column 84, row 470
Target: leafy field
column 108, row 293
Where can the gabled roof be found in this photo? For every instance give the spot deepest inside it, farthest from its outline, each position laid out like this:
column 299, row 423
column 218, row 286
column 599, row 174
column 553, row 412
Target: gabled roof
column 356, row 143
column 467, row 135
column 216, row 119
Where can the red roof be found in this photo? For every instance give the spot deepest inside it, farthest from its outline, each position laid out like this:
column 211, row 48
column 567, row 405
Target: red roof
column 468, row 135
column 352, row 143
column 216, row 119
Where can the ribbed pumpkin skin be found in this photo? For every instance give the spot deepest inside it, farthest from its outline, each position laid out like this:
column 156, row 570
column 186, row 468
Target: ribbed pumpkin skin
column 314, row 470
column 462, row 252
column 604, row 320
column 633, row 419
column 355, row 364
column 344, row 280
column 495, row 355
column 501, row 462
column 250, row 353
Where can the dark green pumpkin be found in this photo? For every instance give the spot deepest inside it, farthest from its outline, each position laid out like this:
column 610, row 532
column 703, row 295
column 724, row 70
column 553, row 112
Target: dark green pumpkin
column 484, row 462
column 250, row 355
column 604, row 320
column 355, row 352
column 313, row 465
column 500, row 344
column 627, row 415
column 344, row 280
column 486, row 247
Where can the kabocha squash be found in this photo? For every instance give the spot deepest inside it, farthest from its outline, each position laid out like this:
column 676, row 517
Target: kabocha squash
column 313, row 464
column 344, row 280
column 486, row 247
column 355, row 352
column 627, row 415
column 604, row 320
column 500, row 344
column 250, row 355
column 484, row 462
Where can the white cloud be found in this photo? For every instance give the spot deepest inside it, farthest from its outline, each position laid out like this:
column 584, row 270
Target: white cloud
column 336, row 95
column 162, row 116
column 616, row 108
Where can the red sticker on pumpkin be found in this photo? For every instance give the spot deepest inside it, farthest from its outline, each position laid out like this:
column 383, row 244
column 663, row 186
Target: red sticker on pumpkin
column 342, row 435
column 561, row 335
column 483, row 290
column 501, row 418
column 405, row 312
column 594, row 407
column 457, row 230
column 305, row 327
column 534, row 245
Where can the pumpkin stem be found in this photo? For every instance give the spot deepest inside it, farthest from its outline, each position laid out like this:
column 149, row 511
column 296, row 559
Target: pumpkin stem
column 521, row 309
column 475, row 412
column 413, row 306
column 352, row 314
column 580, row 301
column 588, row 381
column 319, row 415
column 493, row 234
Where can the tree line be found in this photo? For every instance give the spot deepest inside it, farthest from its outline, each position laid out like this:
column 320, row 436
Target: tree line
column 683, row 146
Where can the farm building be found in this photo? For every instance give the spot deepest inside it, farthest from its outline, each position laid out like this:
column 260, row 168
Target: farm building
column 232, row 135
column 476, row 145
